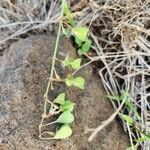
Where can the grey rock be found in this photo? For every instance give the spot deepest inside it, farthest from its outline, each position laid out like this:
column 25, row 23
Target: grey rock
column 24, row 69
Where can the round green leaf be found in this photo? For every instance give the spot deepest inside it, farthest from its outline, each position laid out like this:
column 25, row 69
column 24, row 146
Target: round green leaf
column 60, row 99
column 79, row 82
column 67, row 106
column 67, row 61
column 86, row 46
column 64, row 132
column 69, row 81
column 81, row 33
column 78, row 41
column 67, row 32
column 127, row 118
column 65, row 117
column 80, row 52
column 76, row 64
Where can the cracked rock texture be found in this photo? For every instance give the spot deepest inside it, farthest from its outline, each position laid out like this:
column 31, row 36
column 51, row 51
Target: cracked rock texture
column 24, row 69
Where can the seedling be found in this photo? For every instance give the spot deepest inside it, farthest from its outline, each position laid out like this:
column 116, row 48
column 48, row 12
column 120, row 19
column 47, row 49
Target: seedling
column 128, row 102
column 131, row 121
column 62, row 107
column 79, row 33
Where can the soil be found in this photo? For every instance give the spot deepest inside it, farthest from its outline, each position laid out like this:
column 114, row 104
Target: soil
column 24, row 69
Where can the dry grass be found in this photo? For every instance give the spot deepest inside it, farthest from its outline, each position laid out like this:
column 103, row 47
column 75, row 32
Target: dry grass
column 120, row 30
column 20, row 16
column 121, row 33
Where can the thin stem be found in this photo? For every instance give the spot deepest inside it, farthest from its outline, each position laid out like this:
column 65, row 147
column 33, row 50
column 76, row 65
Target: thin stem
column 130, row 136
column 52, row 70
column 53, row 60
column 49, row 123
column 60, row 80
column 92, row 60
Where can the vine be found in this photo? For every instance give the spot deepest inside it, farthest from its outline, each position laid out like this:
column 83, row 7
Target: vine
column 60, row 105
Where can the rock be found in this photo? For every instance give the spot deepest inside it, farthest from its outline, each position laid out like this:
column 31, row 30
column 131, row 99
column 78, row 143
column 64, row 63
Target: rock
column 24, row 69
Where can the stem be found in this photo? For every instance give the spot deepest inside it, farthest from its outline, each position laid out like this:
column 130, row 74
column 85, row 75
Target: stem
column 49, row 123
column 50, row 133
column 52, row 68
column 92, row 60
column 130, row 136
column 56, row 80
column 53, row 59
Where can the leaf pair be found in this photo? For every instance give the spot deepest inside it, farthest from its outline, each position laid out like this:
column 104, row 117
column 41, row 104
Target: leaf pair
column 74, row 63
column 75, row 81
column 65, row 118
column 65, row 105
column 80, row 33
column 81, row 38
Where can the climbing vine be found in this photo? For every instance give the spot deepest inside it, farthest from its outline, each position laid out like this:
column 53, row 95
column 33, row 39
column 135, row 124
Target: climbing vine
column 60, row 106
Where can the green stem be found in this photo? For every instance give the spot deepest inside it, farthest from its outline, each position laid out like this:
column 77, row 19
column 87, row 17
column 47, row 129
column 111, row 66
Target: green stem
column 53, row 59
column 52, row 69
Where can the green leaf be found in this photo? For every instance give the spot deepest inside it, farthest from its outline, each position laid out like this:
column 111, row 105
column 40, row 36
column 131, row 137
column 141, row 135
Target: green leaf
column 69, row 81
column 78, row 82
column 80, row 52
column 60, row 99
column 143, row 138
column 81, row 33
column 69, row 62
column 76, row 64
column 128, row 102
column 78, row 41
column 66, row 117
column 67, row 32
column 127, row 118
column 86, row 46
column 64, row 132
column 133, row 108
column 68, row 14
column 67, row 106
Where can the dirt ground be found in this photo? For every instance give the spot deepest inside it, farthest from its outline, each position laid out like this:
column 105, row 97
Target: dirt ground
column 24, row 68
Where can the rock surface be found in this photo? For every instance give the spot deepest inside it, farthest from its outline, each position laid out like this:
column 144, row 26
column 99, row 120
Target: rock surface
column 23, row 72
